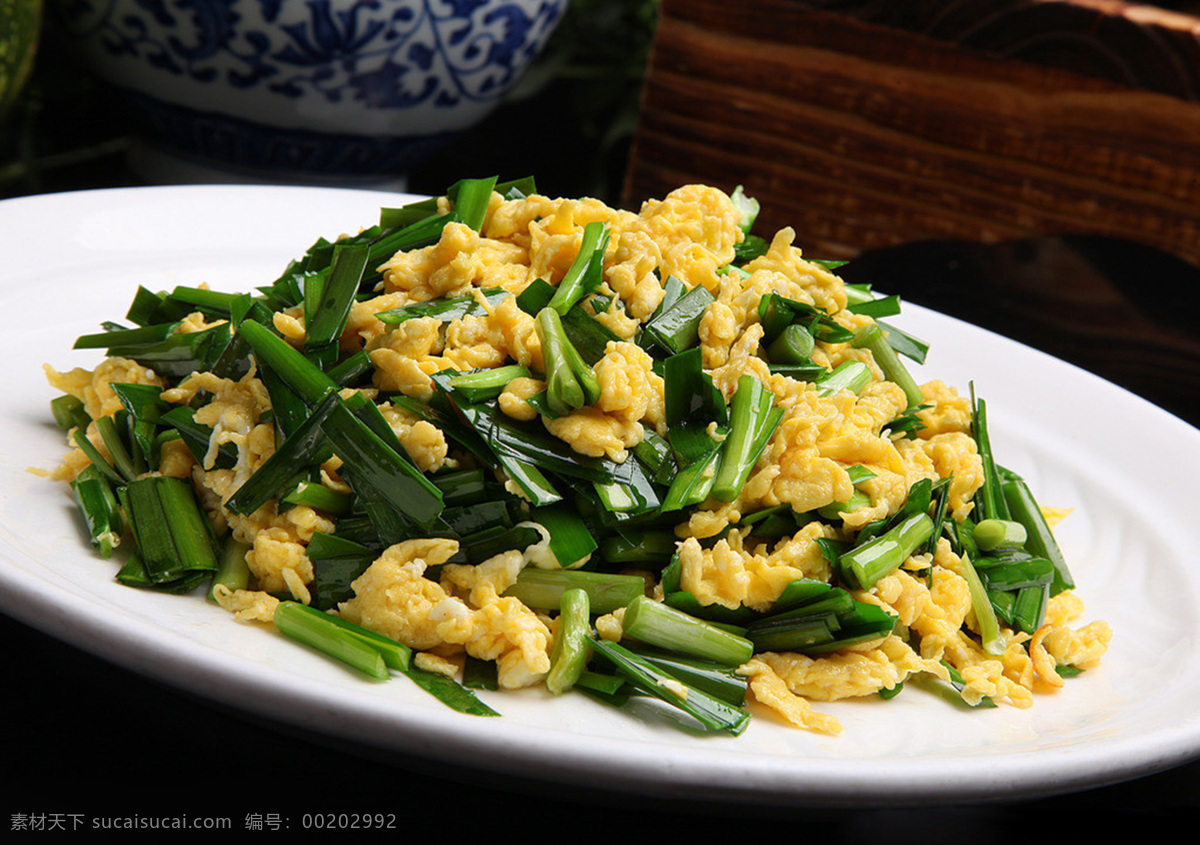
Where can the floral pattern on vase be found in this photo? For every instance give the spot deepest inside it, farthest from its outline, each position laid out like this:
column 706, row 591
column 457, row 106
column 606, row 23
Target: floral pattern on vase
column 262, row 83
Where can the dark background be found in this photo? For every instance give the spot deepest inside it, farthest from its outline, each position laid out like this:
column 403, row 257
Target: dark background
column 82, row 736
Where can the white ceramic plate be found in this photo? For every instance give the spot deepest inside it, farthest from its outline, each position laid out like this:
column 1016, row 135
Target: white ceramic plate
column 1128, row 469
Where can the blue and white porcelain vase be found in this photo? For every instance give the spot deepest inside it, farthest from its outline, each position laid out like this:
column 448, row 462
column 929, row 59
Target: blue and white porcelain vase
column 312, row 91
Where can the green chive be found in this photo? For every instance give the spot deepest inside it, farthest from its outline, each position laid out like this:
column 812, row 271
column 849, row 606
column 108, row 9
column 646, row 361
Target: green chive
column 667, row 628
column 570, row 653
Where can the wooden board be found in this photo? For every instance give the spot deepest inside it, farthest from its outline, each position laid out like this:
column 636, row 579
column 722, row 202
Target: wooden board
column 866, row 124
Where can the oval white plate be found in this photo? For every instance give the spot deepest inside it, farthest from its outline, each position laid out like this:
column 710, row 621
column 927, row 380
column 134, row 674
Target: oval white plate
column 1127, row 468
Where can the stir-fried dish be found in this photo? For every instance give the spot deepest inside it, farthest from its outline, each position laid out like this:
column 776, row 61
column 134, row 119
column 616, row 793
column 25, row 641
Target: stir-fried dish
column 500, row 441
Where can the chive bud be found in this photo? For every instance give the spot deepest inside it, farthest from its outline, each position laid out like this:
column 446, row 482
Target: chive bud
column 991, row 534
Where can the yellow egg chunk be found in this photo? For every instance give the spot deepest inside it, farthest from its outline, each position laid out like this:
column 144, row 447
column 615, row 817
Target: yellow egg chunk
column 512, row 330
column 461, row 259
column 93, row 386
column 629, row 386
column 592, row 432
column 730, row 575
column 232, row 414
column 424, row 442
column 848, row 674
column 514, row 400
column 395, row 598
column 279, row 563
column 247, row 605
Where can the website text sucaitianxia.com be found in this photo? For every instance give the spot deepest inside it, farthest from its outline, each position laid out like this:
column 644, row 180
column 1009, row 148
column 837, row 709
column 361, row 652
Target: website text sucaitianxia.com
column 38, row 821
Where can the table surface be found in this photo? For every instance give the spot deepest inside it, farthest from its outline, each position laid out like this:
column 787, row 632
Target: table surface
column 171, row 753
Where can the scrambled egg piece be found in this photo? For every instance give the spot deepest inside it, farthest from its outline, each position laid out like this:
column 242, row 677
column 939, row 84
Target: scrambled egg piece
column 806, row 462
column 729, row 575
column 769, row 689
column 460, row 260
column 422, row 440
column 465, row 610
column 629, row 387
column 592, row 432
column 94, row 389
column 512, row 330
column 233, row 414
column 631, row 394
column 246, row 605
column 406, row 355
column 849, row 673
column 279, row 562
column 514, row 401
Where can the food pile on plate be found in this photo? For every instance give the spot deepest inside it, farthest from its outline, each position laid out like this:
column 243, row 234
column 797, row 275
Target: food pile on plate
column 498, row 441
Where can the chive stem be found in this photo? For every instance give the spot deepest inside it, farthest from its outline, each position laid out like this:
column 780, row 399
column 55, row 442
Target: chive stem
column 665, row 627
column 99, row 507
column 992, row 534
column 586, row 267
column 793, row 346
column 232, row 572
column 324, row 328
column 866, row 564
column 713, row 713
column 300, row 374
column 871, row 337
column 69, row 412
column 849, row 375
column 542, row 589
column 316, row 629
column 570, row 653
column 1039, row 539
column 981, row 604
column 485, row 385
column 563, row 389
column 749, row 415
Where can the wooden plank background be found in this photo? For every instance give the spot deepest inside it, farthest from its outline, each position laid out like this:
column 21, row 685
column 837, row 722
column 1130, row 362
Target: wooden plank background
column 863, row 127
